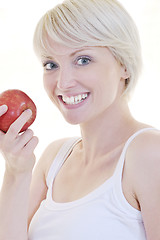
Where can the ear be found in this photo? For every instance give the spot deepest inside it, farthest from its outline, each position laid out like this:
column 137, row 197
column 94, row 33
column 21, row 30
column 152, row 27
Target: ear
column 124, row 72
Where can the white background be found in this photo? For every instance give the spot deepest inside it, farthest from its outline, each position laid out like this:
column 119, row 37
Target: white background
column 19, row 67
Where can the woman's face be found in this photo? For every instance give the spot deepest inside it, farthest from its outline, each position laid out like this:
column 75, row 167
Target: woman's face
column 83, row 83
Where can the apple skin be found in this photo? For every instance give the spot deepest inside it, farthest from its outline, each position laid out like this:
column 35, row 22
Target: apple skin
column 17, row 102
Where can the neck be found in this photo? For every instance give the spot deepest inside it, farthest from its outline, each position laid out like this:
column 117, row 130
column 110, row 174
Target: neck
column 108, row 131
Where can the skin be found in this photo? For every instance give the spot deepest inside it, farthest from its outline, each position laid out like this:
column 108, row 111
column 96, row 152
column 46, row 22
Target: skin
column 106, row 123
column 104, row 78
column 18, row 152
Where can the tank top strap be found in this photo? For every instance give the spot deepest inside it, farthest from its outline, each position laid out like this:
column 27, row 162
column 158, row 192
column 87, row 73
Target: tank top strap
column 61, row 156
column 120, row 165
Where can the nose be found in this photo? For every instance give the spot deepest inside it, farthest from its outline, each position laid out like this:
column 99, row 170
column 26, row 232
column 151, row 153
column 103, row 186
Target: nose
column 65, row 78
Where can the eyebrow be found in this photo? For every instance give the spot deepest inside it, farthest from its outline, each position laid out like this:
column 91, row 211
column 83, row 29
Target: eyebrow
column 71, row 55
column 79, row 50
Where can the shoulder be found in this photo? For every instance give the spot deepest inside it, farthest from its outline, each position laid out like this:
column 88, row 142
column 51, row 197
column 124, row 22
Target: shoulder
column 144, row 147
column 143, row 166
column 39, row 188
column 143, row 163
column 50, row 153
column 53, row 148
column 47, row 157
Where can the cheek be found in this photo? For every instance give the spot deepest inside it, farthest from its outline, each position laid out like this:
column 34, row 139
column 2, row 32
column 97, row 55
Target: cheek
column 49, row 83
column 50, row 86
column 108, row 84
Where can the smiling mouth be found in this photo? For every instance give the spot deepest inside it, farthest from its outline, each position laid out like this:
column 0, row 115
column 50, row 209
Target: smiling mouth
column 73, row 100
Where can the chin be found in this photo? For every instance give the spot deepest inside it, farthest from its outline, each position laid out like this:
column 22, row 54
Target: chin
column 72, row 121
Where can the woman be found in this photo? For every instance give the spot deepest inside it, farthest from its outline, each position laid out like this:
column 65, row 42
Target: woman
column 106, row 184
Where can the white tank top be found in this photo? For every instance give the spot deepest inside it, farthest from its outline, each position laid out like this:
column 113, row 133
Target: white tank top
column 103, row 214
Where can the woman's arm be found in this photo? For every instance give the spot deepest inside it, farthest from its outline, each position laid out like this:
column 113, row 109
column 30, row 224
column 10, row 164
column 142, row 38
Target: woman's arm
column 14, row 207
column 144, row 154
column 14, row 196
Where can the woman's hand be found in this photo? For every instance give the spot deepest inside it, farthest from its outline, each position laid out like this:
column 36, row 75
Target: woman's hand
column 18, row 149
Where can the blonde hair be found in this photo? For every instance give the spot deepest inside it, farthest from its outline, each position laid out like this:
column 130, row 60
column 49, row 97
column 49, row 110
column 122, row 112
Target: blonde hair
column 79, row 23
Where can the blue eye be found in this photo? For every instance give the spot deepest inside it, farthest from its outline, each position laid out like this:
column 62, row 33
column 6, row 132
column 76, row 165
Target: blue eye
column 50, row 65
column 83, row 61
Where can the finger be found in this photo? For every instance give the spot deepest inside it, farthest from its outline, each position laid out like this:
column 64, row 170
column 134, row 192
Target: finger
column 1, row 138
column 24, row 138
column 16, row 127
column 3, row 109
column 30, row 146
column 1, row 133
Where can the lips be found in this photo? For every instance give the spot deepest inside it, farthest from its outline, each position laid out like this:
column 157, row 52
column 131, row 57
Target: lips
column 73, row 100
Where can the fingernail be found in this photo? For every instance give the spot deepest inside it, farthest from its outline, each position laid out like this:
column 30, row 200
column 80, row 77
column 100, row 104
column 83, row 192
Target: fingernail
column 29, row 111
column 4, row 108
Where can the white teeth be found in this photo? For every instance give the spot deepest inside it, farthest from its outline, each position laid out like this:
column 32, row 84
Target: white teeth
column 79, row 97
column 71, row 100
column 64, row 98
column 74, row 99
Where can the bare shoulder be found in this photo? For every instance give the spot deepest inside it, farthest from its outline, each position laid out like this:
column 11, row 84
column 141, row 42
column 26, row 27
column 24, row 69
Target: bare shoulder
column 145, row 148
column 143, row 167
column 50, row 153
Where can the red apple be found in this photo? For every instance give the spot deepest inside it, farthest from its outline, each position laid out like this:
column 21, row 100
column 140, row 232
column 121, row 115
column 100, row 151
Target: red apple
column 17, row 102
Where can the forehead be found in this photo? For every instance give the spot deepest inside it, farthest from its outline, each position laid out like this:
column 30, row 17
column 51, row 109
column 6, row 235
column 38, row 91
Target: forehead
column 55, row 48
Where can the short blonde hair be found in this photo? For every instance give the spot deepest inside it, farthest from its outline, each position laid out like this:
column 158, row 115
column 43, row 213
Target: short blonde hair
column 79, row 23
